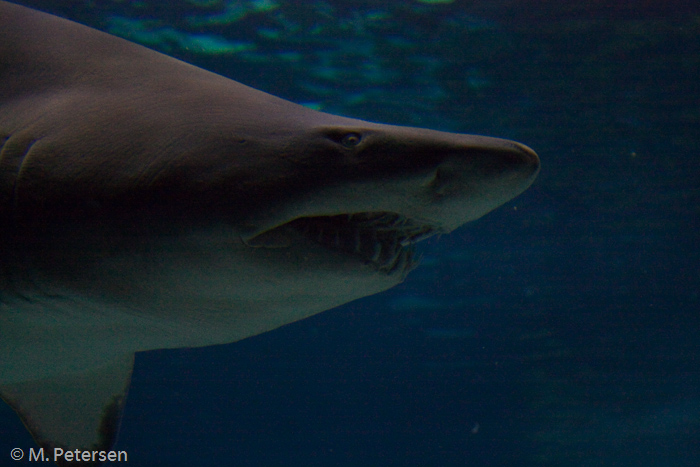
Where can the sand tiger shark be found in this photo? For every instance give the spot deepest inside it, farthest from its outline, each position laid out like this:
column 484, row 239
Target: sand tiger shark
column 146, row 203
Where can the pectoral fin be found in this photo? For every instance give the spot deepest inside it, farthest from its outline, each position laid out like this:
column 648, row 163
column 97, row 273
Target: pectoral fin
column 77, row 410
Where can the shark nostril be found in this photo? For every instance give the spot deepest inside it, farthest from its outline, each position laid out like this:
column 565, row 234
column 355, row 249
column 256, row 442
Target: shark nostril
column 434, row 179
column 440, row 181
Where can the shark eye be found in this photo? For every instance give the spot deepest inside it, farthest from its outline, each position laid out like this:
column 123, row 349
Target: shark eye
column 350, row 140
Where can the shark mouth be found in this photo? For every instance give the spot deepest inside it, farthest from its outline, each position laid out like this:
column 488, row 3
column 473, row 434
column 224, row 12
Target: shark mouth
column 383, row 240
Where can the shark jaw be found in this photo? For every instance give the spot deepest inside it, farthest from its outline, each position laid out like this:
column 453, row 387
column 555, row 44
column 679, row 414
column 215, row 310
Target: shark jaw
column 382, row 240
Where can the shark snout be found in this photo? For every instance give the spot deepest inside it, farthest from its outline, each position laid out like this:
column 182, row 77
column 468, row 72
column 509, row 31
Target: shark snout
column 476, row 175
column 436, row 179
column 463, row 162
column 503, row 153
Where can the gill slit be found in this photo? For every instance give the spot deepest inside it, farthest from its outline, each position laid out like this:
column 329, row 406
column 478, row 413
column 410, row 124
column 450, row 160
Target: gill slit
column 13, row 156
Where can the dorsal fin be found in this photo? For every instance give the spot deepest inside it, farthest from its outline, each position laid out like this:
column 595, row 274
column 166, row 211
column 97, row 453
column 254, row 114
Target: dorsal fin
column 74, row 411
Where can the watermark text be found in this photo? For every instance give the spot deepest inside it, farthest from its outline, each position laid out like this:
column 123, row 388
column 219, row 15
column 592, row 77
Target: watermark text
column 74, row 455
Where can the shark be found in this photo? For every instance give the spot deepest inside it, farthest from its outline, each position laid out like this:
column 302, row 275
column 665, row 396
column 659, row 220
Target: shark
column 146, row 203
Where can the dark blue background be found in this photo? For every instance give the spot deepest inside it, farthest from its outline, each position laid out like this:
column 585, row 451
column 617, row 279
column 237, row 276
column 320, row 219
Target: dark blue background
column 561, row 329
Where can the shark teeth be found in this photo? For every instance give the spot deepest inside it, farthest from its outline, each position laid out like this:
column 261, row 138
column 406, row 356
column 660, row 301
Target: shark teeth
column 382, row 239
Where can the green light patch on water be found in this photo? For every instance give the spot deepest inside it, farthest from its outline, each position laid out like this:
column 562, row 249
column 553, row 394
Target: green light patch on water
column 168, row 39
column 313, row 105
column 233, row 12
column 212, row 45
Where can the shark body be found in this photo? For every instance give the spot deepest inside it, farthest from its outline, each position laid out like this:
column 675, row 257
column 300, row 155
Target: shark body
column 146, row 204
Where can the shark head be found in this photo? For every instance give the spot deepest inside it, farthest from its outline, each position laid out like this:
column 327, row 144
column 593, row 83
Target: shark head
column 375, row 190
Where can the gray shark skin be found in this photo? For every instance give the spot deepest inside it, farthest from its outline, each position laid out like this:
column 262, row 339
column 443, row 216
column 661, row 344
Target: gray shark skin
column 147, row 204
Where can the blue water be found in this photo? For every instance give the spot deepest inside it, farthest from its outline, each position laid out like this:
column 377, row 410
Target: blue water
column 560, row 330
